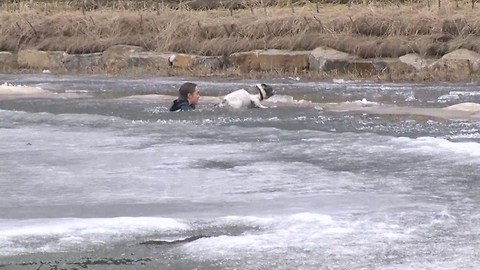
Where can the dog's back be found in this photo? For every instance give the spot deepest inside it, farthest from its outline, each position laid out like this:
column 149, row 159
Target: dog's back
column 243, row 99
column 237, row 99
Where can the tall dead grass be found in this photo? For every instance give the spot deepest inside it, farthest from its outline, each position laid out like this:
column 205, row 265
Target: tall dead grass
column 367, row 31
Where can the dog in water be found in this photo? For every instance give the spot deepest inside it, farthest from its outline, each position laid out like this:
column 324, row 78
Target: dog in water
column 245, row 99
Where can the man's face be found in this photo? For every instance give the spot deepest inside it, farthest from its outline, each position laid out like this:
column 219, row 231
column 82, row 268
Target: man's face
column 194, row 97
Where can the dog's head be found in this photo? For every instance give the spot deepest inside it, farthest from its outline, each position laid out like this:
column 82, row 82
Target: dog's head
column 265, row 90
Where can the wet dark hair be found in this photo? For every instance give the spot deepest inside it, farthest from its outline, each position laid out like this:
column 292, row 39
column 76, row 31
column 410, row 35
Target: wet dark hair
column 186, row 88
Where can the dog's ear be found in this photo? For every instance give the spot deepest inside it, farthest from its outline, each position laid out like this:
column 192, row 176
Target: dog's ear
column 268, row 90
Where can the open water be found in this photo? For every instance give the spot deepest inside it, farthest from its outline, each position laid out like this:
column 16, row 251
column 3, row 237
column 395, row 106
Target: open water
column 93, row 176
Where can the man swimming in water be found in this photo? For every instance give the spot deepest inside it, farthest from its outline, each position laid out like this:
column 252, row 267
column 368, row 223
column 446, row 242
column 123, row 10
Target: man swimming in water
column 188, row 96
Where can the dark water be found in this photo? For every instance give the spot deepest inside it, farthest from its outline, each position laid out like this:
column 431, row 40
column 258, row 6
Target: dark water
column 99, row 182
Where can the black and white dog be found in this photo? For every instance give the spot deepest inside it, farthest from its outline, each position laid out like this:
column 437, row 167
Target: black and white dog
column 244, row 99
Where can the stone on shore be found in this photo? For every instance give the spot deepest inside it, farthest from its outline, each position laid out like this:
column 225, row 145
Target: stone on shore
column 270, row 60
column 191, row 61
column 209, row 62
column 282, row 60
column 41, row 59
column 459, row 64
column 416, row 61
column 82, row 62
column 392, row 66
column 454, row 67
column 8, row 62
column 328, row 59
column 149, row 59
column 359, row 67
column 462, row 57
column 245, row 61
column 116, row 57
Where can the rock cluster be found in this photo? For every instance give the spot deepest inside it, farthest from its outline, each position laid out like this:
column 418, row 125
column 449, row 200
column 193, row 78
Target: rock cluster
column 321, row 59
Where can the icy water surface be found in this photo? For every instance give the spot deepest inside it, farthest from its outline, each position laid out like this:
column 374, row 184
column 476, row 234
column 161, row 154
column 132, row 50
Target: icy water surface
column 93, row 178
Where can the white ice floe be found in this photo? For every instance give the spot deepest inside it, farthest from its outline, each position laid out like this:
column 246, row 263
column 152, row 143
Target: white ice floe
column 465, row 107
column 341, row 81
column 10, row 89
column 364, row 102
column 440, row 147
column 281, row 99
column 50, row 235
column 300, row 231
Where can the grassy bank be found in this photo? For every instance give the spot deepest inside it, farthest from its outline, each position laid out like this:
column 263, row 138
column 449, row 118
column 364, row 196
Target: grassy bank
column 368, row 31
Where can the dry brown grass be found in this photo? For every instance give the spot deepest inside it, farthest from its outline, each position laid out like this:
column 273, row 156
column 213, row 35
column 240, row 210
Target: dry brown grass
column 367, row 31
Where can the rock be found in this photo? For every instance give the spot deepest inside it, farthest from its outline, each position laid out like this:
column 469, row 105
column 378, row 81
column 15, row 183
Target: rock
column 461, row 55
column 459, row 67
column 459, row 63
column 182, row 60
column 416, row 61
column 149, row 59
column 360, row 67
column 209, row 62
column 392, row 65
column 195, row 61
column 283, row 60
column 8, row 62
column 117, row 56
column 79, row 62
column 270, row 60
column 327, row 59
column 245, row 61
column 40, row 59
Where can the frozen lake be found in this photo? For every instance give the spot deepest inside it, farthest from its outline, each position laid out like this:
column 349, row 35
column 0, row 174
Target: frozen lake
column 92, row 173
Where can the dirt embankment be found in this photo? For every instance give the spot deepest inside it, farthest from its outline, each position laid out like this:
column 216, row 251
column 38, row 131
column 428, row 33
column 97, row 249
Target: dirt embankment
column 368, row 31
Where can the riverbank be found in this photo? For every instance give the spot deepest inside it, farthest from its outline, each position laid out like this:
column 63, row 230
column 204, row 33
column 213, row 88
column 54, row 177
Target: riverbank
column 226, row 42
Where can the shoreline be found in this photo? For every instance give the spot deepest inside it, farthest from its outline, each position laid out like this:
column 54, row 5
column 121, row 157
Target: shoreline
column 320, row 64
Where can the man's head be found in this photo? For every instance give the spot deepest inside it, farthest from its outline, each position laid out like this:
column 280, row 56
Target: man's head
column 190, row 92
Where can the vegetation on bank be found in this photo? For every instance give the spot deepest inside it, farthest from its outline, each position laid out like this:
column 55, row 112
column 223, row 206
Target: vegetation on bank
column 374, row 30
